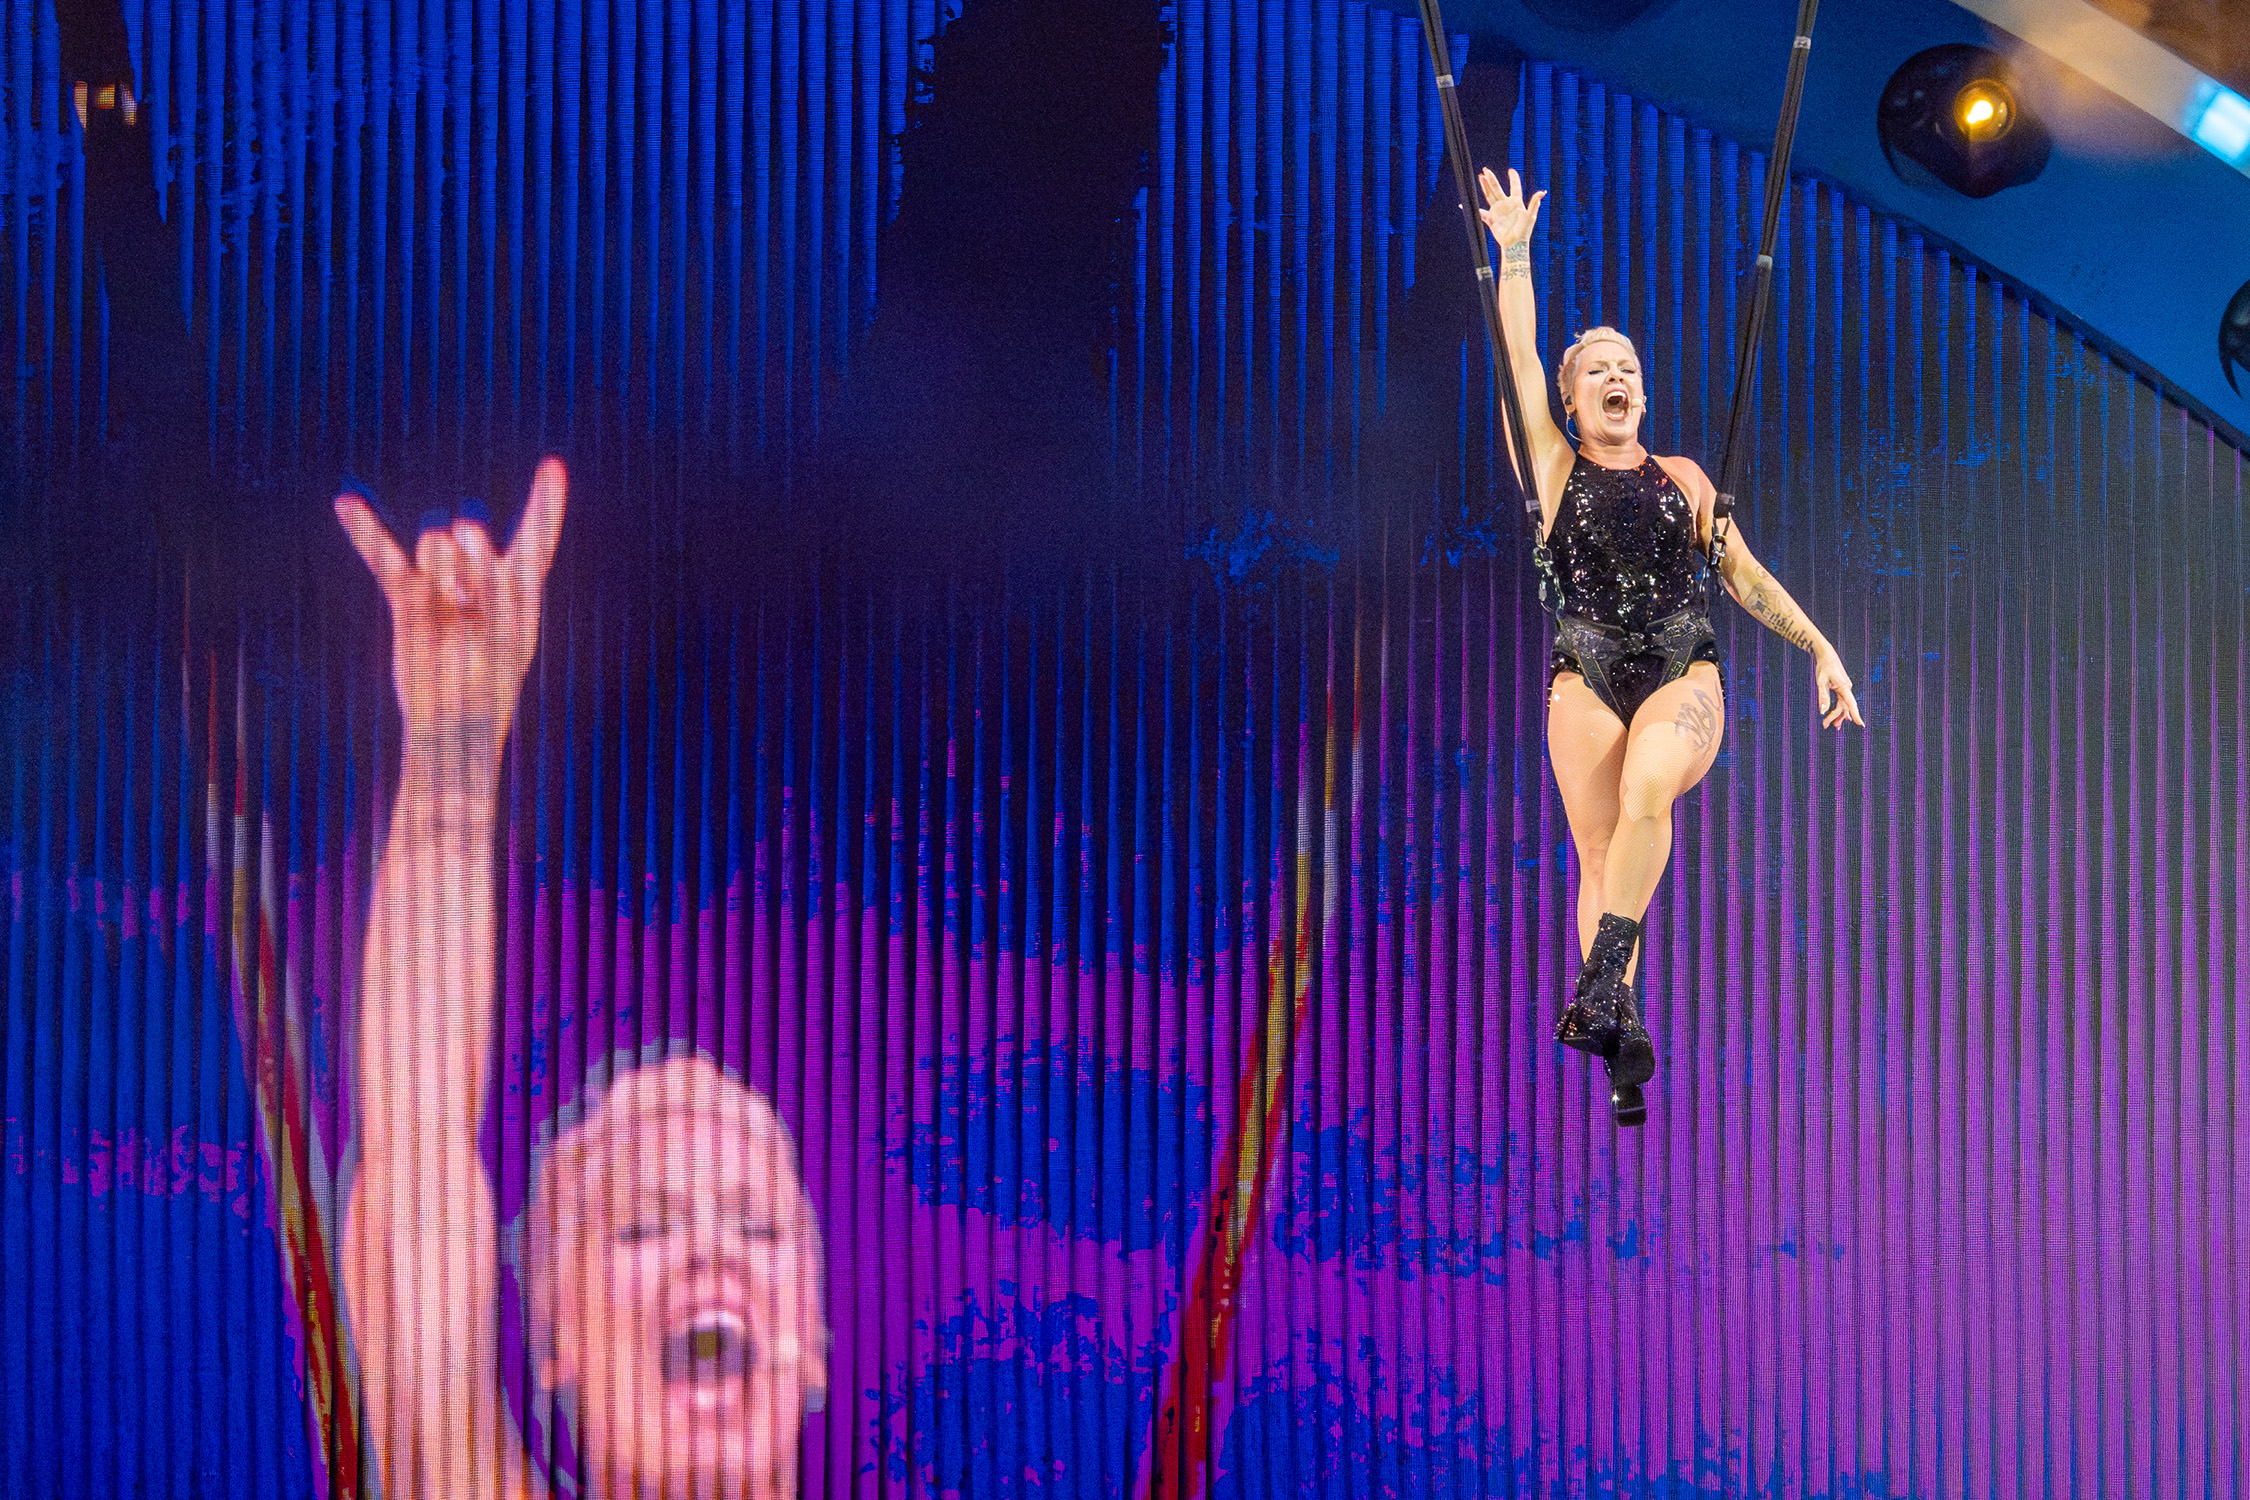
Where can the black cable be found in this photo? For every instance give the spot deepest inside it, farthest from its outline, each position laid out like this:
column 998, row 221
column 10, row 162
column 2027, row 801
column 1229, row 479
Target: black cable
column 1488, row 291
column 1761, row 286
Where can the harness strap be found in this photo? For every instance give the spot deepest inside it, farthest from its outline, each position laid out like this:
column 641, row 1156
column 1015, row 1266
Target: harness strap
column 1598, row 647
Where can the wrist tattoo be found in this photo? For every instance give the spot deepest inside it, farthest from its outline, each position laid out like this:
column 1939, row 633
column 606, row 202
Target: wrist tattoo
column 1515, row 262
column 460, row 756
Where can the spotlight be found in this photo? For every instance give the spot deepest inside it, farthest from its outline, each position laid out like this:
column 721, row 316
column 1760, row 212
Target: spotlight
column 2234, row 336
column 1985, row 110
column 1953, row 116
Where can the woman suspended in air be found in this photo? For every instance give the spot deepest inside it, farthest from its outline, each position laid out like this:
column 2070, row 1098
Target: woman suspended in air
column 1635, row 707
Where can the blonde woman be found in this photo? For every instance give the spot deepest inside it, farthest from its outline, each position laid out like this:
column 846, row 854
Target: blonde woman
column 1635, row 708
column 671, row 1261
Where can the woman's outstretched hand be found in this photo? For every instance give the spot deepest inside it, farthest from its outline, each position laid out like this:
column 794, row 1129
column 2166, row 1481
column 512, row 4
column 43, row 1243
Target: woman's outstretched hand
column 464, row 618
column 1505, row 212
column 1835, row 687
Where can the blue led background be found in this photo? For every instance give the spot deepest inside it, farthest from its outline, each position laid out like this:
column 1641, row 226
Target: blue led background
column 1040, row 678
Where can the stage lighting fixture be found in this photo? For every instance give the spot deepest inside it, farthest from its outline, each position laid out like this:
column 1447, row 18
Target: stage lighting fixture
column 1985, row 111
column 2234, row 336
column 1954, row 116
column 2219, row 122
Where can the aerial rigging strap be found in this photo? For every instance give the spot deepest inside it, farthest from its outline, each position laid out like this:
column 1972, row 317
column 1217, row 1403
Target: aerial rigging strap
column 1761, row 289
column 1488, row 291
column 1761, row 285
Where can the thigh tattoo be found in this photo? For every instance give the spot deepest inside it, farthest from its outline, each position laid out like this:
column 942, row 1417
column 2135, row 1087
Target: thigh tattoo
column 1698, row 721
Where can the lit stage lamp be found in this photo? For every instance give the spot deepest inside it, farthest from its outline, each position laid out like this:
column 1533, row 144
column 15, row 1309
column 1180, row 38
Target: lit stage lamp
column 2218, row 120
column 1954, row 116
column 2234, row 336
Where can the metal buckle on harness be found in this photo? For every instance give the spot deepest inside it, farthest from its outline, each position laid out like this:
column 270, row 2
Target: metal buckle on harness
column 1605, row 643
column 1550, row 586
column 1612, row 642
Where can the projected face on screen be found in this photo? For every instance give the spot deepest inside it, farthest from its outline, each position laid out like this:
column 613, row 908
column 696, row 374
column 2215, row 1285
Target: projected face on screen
column 670, row 1260
column 673, row 1283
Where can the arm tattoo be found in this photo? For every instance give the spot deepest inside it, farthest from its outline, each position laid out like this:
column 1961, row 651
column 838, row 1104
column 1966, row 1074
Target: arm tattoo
column 1515, row 262
column 1779, row 614
column 1698, row 721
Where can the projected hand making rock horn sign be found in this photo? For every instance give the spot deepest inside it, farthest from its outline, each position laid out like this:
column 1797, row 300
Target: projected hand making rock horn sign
column 671, row 1261
column 1635, row 708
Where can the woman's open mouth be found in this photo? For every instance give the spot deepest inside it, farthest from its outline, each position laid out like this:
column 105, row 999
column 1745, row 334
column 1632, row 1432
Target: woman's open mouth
column 1616, row 403
column 709, row 1349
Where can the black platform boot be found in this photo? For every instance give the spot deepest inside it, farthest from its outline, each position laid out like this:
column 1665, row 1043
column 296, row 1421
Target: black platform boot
column 1631, row 1062
column 1590, row 1021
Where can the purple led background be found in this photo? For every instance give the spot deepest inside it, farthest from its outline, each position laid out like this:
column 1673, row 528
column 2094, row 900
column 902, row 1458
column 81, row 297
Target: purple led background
column 1096, row 931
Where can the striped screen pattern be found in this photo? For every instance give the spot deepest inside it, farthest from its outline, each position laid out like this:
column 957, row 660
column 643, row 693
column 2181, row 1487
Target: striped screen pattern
column 1296, row 148
column 1157, row 967
column 582, row 224
column 476, row 215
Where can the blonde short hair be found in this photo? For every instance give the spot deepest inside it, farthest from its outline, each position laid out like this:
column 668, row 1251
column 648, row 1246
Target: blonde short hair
column 1566, row 374
column 557, row 1219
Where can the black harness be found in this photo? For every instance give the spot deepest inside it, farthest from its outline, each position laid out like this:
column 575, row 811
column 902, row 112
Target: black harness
column 1599, row 647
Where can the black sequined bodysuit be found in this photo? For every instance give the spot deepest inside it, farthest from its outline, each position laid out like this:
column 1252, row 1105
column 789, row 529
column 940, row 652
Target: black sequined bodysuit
column 1634, row 609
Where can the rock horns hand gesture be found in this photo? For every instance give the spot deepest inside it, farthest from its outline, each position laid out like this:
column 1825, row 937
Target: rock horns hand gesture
column 464, row 619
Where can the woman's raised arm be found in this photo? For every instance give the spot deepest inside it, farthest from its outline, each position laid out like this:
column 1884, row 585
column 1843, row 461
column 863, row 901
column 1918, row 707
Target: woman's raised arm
column 1510, row 219
column 420, row 1249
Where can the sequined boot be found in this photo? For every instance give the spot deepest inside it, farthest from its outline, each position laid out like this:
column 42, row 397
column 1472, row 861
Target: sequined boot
column 1591, row 1022
column 1631, row 1062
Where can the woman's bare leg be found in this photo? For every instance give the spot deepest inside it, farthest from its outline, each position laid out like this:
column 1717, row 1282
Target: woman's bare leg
column 1586, row 743
column 1669, row 749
